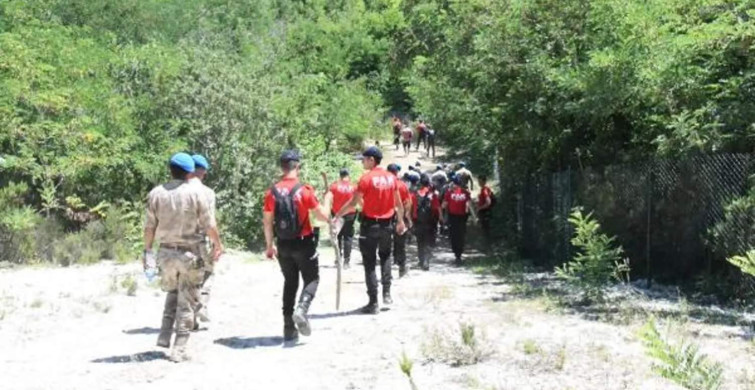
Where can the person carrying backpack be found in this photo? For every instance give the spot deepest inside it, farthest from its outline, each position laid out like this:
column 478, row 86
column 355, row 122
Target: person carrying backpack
column 379, row 194
column 399, row 240
column 426, row 214
column 430, row 141
column 456, row 203
column 339, row 193
column 286, row 217
column 485, row 203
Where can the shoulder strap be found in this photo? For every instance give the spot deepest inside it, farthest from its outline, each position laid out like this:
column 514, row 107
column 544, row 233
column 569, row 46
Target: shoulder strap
column 296, row 188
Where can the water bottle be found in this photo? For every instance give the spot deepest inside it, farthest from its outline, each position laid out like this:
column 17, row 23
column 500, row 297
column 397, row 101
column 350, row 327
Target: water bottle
column 151, row 271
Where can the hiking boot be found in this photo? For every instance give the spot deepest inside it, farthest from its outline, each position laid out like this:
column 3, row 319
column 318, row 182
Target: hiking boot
column 402, row 271
column 458, row 262
column 426, row 266
column 166, row 332
column 289, row 329
column 180, row 352
column 387, row 300
column 300, row 315
column 346, row 265
column 371, row 308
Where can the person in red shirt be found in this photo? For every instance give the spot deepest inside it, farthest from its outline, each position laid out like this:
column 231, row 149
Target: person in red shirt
column 456, row 202
column 426, row 214
column 421, row 134
column 399, row 240
column 485, row 206
column 339, row 194
column 406, row 139
column 286, row 216
column 379, row 194
column 396, row 131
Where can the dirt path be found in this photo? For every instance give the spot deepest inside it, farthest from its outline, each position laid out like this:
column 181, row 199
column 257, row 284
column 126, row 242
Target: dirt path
column 77, row 328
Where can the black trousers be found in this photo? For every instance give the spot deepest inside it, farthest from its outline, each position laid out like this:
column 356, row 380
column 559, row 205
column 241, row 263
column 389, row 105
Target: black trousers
column 298, row 256
column 485, row 216
column 407, row 146
column 399, row 248
column 346, row 237
column 425, row 242
column 430, row 145
column 375, row 241
column 422, row 138
column 457, row 229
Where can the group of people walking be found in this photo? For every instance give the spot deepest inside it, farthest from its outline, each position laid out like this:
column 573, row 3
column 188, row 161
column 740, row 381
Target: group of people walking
column 181, row 217
column 403, row 135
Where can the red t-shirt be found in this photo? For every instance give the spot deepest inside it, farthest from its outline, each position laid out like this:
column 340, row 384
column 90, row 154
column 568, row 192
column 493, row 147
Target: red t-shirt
column 421, row 128
column 406, row 133
column 434, row 201
column 457, row 199
column 403, row 191
column 377, row 188
column 342, row 192
column 484, row 196
column 304, row 198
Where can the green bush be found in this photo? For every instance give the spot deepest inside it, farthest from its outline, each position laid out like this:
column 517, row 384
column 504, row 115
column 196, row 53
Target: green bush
column 682, row 363
column 598, row 261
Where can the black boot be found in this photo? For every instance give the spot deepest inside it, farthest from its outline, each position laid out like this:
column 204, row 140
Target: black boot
column 166, row 333
column 300, row 314
column 372, row 307
column 402, row 271
column 387, row 300
column 289, row 329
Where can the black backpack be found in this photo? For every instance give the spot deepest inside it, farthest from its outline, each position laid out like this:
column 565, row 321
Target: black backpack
column 286, row 223
column 425, row 208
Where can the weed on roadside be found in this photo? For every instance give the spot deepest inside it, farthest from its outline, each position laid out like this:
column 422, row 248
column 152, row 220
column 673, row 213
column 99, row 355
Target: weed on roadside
column 130, row 284
column 681, row 362
column 468, row 347
column 530, row 347
column 406, row 364
column 36, row 303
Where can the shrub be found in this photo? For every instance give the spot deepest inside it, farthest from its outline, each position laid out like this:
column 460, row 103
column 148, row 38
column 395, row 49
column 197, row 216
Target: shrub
column 598, row 260
column 682, row 363
column 746, row 262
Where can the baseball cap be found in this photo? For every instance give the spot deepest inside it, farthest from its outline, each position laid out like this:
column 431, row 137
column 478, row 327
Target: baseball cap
column 200, row 161
column 344, row 172
column 289, row 155
column 183, row 161
column 424, row 180
column 394, row 168
column 373, row 151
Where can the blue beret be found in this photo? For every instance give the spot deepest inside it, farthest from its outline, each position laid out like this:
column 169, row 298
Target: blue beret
column 183, row 161
column 200, row 161
column 394, row 168
column 344, row 172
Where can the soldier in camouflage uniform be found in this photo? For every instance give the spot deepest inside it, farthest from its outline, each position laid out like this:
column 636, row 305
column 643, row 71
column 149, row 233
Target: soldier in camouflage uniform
column 197, row 178
column 176, row 211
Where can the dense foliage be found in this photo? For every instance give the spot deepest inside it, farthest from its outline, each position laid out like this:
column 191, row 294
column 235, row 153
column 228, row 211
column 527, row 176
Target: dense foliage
column 95, row 95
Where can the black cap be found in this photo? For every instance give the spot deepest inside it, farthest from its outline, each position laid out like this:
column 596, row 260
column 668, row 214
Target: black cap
column 373, row 151
column 424, row 180
column 344, row 172
column 290, row 155
column 393, row 168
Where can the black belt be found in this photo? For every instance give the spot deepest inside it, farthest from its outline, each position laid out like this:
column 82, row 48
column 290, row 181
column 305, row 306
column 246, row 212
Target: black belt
column 376, row 220
column 302, row 238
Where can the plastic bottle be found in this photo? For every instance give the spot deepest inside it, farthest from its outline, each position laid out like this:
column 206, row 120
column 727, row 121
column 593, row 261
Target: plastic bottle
column 151, row 270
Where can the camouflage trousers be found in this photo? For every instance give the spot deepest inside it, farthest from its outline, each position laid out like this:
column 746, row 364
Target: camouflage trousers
column 180, row 277
column 205, row 253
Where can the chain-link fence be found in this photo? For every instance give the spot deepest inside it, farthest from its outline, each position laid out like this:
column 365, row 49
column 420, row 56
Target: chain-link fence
column 675, row 219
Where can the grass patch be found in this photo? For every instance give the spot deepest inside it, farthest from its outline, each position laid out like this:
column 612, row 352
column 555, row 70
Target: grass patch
column 467, row 347
column 406, row 364
column 36, row 303
column 130, row 284
column 530, row 347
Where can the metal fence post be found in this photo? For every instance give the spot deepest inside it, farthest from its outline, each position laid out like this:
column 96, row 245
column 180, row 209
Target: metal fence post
column 649, row 207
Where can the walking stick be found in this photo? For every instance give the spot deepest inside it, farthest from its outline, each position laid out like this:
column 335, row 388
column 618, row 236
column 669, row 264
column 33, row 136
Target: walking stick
column 334, row 240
